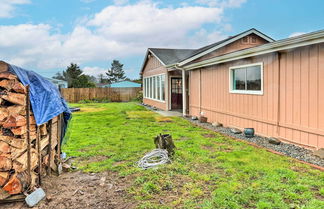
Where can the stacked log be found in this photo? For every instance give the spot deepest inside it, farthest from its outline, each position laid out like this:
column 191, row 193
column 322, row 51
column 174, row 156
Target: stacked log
column 27, row 151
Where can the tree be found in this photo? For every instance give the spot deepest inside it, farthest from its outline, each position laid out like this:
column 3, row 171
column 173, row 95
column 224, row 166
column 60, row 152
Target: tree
column 82, row 82
column 102, row 79
column 72, row 73
column 59, row 76
column 116, row 72
column 92, row 78
column 75, row 77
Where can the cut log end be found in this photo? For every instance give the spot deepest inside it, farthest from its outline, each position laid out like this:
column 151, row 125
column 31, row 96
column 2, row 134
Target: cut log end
column 14, row 185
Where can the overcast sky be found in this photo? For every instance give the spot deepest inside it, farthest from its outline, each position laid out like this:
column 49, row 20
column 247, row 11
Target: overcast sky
column 47, row 35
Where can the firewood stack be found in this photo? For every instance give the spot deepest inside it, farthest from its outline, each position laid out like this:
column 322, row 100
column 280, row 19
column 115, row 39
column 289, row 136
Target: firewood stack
column 24, row 158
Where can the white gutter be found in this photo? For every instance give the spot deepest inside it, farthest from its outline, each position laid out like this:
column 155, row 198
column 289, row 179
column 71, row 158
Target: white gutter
column 303, row 40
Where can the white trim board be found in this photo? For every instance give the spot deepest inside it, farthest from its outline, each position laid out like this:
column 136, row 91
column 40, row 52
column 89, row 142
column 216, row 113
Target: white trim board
column 232, row 91
column 146, row 58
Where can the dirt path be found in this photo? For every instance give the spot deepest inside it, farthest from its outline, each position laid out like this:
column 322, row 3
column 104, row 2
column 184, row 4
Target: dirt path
column 81, row 190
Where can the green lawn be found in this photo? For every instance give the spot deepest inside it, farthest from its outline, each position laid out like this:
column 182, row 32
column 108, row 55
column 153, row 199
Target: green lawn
column 208, row 170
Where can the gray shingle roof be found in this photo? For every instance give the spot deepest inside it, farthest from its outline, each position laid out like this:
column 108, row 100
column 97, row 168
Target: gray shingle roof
column 173, row 56
column 170, row 56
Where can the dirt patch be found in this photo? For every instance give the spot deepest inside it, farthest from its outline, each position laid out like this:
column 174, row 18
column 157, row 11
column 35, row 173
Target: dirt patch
column 209, row 135
column 224, row 149
column 299, row 169
column 82, row 190
column 209, row 148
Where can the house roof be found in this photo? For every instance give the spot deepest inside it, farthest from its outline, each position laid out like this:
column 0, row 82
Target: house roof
column 122, row 84
column 170, row 57
column 280, row 45
column 212, row 47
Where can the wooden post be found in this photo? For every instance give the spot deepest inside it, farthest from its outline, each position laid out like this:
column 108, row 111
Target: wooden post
column 39, row 156
column 49, row 147
column 59, row 135
column 28, row 133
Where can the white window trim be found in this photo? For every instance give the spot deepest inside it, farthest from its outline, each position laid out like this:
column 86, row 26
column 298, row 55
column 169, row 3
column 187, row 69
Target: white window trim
column 151, row 86
column 232, row 91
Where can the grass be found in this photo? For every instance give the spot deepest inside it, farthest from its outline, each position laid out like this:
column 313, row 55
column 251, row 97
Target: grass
column 208, row 170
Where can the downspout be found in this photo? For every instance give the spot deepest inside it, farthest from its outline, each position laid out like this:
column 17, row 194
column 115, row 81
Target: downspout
column 200, row 92
column 184, row 92
column 278, row 103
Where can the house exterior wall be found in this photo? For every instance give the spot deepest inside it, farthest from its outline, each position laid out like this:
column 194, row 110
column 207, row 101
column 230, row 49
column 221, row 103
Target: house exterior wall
column 235, row 46
column 154, row 67
column 290, row 107
column 302, row 95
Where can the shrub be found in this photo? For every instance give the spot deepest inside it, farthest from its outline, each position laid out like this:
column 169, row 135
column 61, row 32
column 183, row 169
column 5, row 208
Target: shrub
column 139, row 97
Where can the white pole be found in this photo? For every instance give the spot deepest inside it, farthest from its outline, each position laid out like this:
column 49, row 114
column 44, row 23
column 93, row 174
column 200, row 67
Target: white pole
column 184, row 95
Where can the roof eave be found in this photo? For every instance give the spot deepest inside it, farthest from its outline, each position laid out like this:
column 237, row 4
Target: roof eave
column 186, row 61
column 304, row 40
column 145, row 59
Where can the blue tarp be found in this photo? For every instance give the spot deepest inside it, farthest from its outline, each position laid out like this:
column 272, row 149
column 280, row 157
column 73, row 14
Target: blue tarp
column 45, row 98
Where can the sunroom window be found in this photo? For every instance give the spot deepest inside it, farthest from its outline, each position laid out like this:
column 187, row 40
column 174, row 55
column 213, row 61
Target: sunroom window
column 155, row 89
column 247, row 79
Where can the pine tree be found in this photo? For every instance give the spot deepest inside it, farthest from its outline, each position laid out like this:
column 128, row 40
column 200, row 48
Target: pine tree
column 75, row 77
column 116, row 72
column 102, row 79
column 72, row 73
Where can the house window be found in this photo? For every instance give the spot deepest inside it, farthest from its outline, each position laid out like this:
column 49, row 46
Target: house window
column 158, row 88
column 145, row 87
column 150, row 88
column 144, row 93
column 163, row 87
column 247, row 79
column 155, row 88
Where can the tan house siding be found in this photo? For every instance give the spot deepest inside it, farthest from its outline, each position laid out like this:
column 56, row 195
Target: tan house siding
column 302, row 95
column 154, row 67
column 300, row 114
column 235, row 46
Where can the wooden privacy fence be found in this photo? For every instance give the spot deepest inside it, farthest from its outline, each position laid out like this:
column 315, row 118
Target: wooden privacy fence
column 111, row 94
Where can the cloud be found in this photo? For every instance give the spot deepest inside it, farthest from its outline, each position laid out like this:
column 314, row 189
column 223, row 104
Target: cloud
column 296, row 34
column 116, row 32
column 7, row 7
column 222, row 3
column 120, row 2
column 95, row 71
column 153, row 26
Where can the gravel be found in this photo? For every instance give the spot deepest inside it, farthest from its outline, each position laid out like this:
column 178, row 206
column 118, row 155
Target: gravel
column 291, row 150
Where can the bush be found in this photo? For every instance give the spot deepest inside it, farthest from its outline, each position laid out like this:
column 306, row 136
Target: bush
column 139, row 97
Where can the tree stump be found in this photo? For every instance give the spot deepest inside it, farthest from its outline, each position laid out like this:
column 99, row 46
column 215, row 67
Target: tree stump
column 165, row 142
